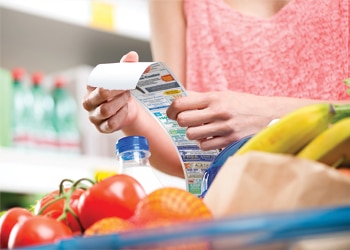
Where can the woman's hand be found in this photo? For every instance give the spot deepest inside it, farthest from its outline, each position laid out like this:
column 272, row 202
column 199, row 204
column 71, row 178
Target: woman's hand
column 111, row 110
column 216, row 119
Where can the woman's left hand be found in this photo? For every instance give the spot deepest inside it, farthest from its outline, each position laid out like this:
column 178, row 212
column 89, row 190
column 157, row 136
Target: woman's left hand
column 216, row 119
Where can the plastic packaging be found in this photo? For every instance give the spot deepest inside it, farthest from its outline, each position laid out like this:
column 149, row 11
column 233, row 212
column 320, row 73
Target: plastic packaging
column 219, row 160
column 133, row 155
column 65, row 118
column 279, row 230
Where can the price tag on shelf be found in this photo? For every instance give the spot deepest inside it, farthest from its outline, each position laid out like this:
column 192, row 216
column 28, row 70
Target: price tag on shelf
column 101, row 174
column 102, row 14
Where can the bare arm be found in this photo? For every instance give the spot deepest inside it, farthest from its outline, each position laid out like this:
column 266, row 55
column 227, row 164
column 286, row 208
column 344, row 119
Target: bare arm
column 164, row 155
column 168, row 35
column 112, row 110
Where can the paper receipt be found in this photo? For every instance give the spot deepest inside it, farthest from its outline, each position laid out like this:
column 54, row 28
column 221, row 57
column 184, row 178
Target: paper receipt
column 154, row 86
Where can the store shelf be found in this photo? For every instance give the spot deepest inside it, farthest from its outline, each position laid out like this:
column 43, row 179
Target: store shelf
column 38, row 172
column 129, row 18
column 49, row 45
column 55, row 37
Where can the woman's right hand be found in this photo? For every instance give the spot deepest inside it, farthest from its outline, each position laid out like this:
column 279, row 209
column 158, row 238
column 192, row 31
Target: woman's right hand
column 111, row 110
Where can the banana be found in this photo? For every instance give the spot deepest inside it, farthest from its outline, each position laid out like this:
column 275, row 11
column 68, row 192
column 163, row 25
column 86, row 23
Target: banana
column 293, row 131
column 331, row 147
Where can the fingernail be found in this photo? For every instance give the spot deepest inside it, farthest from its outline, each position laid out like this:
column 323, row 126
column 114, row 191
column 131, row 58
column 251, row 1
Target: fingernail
column 123, row 57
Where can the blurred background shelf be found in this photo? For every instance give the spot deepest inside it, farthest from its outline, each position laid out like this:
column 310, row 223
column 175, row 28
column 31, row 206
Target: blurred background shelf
column 33, row 172
column 68, row 38
column 37, row 172
column 126, row 18
column 38, row 42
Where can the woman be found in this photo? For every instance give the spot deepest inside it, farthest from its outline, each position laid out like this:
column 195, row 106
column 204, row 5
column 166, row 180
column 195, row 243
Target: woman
column 245, row 63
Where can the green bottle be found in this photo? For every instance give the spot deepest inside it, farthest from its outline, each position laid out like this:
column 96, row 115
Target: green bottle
column 21, row 114
column 42, row 122
column 6, row 108
column 65, row 118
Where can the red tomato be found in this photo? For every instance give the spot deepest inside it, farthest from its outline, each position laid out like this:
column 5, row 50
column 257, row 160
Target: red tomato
column 8, row 220
column 38, row 230
column 115, row 196
column 57, row 207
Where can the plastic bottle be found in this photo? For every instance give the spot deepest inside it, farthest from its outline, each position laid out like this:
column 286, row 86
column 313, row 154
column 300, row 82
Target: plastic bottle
column 6, row 108
column 21, row 111
column 65, row 118
column 133, row 156
column 42, row 126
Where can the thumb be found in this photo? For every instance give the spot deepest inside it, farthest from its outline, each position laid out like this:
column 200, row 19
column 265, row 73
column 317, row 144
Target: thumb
column 132, row 56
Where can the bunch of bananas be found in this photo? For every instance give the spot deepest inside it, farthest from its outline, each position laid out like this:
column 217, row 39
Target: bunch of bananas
column 319, row 132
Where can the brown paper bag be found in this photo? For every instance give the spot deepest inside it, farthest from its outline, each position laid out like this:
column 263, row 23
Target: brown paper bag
column 259, row 182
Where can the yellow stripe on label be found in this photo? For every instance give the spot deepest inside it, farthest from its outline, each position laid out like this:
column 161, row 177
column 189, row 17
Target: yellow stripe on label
column 102, row 15
column 172, row 92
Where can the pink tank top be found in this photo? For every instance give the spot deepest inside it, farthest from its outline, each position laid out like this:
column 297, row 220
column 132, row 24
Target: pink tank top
column 302, row 51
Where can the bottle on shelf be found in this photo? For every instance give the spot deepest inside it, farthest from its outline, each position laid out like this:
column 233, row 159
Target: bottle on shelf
column 21, row 110
column 65, row 118
column 42, row 126
column 133, row 156
column 6, row 106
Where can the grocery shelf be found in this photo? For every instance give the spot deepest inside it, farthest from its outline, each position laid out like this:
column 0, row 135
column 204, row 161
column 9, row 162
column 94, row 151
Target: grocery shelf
column 39, row 172
column 39, row 43
column 55, row 37
column 130, row 18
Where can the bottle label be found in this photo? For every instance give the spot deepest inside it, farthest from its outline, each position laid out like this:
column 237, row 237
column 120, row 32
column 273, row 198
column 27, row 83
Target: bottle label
column 155, row 90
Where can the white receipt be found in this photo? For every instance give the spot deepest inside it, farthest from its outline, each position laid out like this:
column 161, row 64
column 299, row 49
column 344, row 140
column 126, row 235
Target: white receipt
column 154, row 86
column 120, row 76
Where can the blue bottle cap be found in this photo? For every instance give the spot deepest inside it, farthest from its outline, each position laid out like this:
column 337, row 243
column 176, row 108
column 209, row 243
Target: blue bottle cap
column 131, row 143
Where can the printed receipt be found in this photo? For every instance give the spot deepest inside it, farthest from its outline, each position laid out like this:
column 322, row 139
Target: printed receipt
column 154, row 86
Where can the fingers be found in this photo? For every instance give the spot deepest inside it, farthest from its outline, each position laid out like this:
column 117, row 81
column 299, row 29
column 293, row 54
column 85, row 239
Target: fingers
column 214, row 135
column 213, row 143
column 96, row 96
column 186, row 103
column 190, row 112
column 108, row 109
column 220, row 134
column 214, row 129
column 114, row 122
column 193, row 118
column 107, row 113
column 132, row 56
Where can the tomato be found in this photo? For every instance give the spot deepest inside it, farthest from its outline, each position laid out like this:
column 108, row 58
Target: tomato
column 115, row 196
column 8, row 220
column 57, row 208
column 38, row 230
